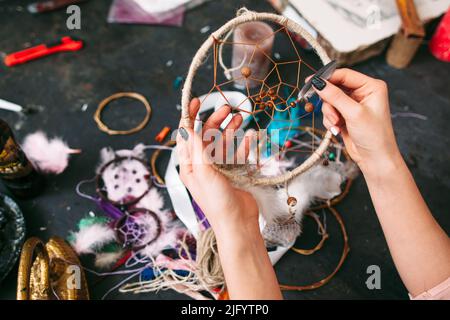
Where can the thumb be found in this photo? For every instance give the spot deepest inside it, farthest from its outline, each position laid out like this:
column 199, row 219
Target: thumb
column 336, row 97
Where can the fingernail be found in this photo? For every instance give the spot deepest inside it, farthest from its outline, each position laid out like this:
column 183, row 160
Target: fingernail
column 335, row 130
column 183, row 133
column 318, row 83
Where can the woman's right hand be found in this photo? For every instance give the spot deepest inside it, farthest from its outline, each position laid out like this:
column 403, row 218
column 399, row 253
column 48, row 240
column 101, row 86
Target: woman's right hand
column 357, row 106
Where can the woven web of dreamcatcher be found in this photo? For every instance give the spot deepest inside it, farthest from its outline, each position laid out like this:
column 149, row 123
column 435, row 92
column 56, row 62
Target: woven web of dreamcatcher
column 139, row 230
column 273, row 93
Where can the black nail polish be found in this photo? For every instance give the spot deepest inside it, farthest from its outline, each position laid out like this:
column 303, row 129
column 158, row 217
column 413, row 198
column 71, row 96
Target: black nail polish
column 183, row 133
column 318, row 83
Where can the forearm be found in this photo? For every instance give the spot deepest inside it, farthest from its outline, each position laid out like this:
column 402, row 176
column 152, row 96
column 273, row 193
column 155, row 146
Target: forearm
column 246, row 265
column 418, row 245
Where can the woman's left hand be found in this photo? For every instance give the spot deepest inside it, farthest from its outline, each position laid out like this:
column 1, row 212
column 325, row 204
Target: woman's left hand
column 226, row 207
column 232, row 213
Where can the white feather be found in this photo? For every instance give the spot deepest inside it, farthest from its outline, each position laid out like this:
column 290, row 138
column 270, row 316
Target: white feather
column 269, row 202
column 49, row 156
column 319, row 182
column 152, row 201
column 104, row 260
column 107, row 154
column 168, row 239
column 137, row 151
column 92, row 237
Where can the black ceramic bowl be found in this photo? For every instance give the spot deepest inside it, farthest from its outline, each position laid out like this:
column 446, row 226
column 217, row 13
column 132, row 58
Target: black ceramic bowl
column 12, row 234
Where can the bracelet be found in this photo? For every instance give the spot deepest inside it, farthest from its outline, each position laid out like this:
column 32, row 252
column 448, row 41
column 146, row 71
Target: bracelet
column 106, row 101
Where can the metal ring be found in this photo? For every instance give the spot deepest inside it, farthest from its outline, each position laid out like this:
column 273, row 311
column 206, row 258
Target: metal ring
column 103, row 127
column 153, row 160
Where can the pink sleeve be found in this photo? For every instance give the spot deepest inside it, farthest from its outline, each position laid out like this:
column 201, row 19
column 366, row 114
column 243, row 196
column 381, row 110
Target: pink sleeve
column 440, row 292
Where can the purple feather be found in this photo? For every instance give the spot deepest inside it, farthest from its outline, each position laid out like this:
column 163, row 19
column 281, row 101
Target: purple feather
column 111, row 211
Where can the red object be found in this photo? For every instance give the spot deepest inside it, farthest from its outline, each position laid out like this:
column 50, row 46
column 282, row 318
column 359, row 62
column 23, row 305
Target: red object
column 440, row 43
column 288, row 144
column 42, row 50
column 224, row 295
column 163, row 134
column 121, row 261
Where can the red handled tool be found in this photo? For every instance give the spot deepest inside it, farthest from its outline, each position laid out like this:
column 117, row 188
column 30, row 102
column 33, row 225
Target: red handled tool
column 42, row 50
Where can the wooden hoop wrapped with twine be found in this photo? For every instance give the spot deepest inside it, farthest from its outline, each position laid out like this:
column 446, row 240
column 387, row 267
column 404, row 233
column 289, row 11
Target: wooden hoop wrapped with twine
column 244, row 16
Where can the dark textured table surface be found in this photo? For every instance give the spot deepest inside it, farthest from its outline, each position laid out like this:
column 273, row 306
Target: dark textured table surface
column 133, row 58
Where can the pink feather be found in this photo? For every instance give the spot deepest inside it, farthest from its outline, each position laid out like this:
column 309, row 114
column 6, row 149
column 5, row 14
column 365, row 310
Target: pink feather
column 47, row 155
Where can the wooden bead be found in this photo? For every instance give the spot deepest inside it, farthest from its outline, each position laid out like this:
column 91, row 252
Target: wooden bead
column 292, row 201
column 309, row 107
column 325, row 162
column 246, row 72
column 258, row 99
column 293, row 104
column 271, row 92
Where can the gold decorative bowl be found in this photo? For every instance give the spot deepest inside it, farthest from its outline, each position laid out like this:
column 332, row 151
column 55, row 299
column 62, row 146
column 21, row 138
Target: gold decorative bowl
column 50, row 271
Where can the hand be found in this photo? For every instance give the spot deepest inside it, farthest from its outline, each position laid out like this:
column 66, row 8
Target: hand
column 227, row 208
column 357, row 106
column 232, row 213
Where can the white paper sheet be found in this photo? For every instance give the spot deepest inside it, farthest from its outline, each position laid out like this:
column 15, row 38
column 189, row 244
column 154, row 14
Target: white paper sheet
column 353, row 24
column 155, row 6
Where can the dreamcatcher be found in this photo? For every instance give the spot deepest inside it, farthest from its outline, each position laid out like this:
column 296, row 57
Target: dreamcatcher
column 135, row 226
column 279, row 102
column 272, row 97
